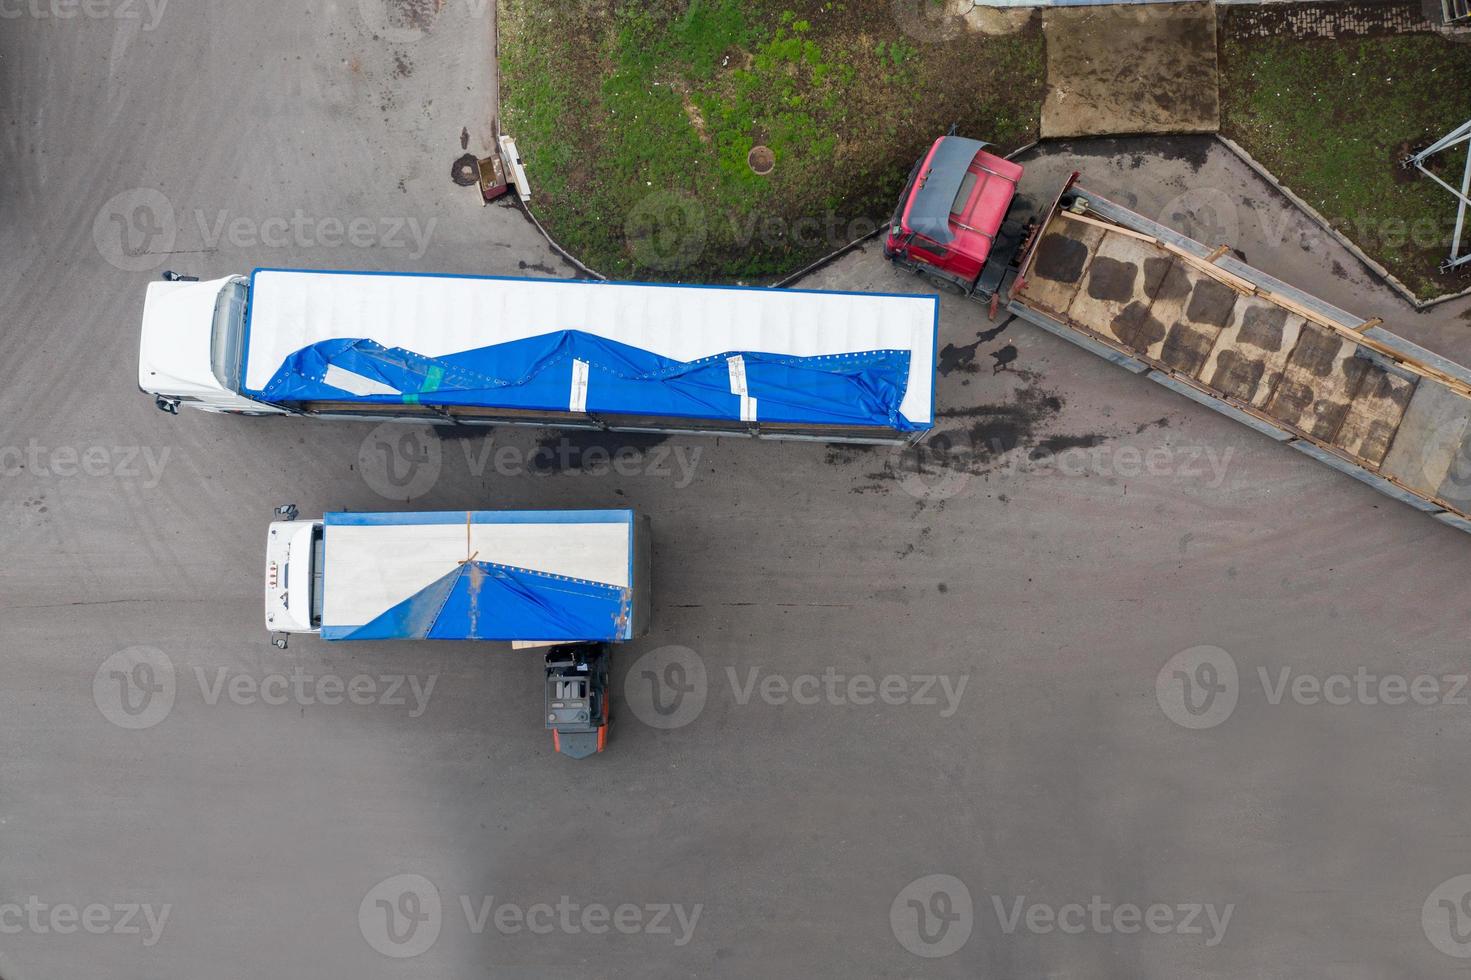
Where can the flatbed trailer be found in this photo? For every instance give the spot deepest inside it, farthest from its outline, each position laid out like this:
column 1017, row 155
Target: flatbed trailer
column 1344, row 390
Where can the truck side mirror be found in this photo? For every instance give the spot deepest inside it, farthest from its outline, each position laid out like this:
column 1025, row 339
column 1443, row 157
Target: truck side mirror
column 164, row 404
column 287, row 512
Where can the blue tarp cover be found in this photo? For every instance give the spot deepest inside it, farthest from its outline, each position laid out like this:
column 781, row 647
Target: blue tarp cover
column 484, row 601
column 862, row 388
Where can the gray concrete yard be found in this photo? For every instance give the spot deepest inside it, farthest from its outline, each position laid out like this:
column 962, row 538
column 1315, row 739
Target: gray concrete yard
column 1065, row 558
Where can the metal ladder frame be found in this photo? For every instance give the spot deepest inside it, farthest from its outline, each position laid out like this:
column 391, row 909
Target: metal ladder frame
column 1461, row 134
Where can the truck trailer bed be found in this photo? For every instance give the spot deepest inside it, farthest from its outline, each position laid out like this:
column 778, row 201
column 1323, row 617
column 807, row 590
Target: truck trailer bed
column 1346, row 391
column 775, row 362
column 485, row 575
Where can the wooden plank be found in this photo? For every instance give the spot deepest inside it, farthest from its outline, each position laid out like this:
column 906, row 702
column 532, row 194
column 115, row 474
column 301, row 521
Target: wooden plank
column 1209, row 268
column 1110, row 226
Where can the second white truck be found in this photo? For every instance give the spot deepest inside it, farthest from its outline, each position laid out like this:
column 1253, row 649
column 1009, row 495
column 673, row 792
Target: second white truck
column 573, row 581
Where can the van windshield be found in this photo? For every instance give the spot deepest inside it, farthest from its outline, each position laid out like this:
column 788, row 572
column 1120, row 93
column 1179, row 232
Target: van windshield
column 227, row 333
column 319, row 554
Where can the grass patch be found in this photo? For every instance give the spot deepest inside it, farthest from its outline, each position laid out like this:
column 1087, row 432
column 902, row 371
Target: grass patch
column 1332, row 118
column 636, row 119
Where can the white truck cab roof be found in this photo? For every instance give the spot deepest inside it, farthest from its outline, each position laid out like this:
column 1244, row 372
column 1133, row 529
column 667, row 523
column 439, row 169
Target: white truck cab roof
column 289, row 573
column 174, row 348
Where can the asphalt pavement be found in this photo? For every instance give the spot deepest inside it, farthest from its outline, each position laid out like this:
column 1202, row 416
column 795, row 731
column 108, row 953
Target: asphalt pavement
column 1102, row 684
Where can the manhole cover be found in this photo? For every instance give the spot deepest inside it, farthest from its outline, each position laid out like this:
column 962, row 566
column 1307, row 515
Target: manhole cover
column 465, row 172
column 761, row 159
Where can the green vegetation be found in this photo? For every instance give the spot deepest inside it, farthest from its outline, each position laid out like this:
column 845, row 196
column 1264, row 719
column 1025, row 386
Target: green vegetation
column 1332, row 119
column 637, row 143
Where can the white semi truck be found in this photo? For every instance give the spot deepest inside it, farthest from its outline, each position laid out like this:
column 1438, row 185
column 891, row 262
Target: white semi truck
column 573, row 581
column 832, row 366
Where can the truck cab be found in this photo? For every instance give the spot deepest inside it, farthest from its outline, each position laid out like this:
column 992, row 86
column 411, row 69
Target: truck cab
column 958, row 220
column 190, row 344
column 293, row 587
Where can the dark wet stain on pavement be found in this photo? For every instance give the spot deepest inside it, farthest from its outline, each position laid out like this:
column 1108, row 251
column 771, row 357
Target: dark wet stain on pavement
column 986, row 336
column 961, row 358
column 1053, row 445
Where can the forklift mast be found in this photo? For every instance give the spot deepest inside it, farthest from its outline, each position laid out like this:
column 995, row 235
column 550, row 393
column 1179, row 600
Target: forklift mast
column 577, row 698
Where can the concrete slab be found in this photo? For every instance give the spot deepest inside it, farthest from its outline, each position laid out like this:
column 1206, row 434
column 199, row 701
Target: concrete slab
column 1138, row 68
column 1430, row 439
column 1193, row 310
column 1057, row 272
column 1252, row 350
column 1375, row 415
column 1318, row 384
column 1116, row 296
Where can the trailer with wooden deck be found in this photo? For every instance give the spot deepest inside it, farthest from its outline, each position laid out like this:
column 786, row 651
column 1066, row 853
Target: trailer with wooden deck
column 1192, row 317
column 1339, row 388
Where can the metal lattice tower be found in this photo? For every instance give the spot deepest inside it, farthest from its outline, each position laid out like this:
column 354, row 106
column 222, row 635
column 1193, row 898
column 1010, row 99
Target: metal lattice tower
column 1457, row 136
